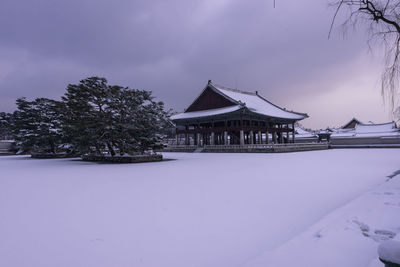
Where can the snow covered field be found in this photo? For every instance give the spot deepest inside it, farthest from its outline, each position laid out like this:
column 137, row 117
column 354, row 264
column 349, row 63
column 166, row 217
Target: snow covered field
column 200, row 210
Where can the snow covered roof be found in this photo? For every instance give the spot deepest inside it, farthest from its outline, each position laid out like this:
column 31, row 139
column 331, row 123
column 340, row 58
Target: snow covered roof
column 205, row 113
column 256, row 103
column 300, row 130
column 243, row 99
column 301, row 133
column 376, row 128
column 369, row 130
column 324, row 131
column 353, row 120
column 344, row 132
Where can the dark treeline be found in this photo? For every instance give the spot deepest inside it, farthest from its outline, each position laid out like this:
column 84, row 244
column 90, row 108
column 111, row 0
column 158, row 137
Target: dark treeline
column 91, row 118
column 6, row 121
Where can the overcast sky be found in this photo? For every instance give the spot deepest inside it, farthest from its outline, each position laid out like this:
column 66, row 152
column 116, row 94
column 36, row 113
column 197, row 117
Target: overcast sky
column 174, row 47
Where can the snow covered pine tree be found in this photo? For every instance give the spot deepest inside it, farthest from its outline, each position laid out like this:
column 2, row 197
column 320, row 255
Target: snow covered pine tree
column 37, row 125
column 111, row 119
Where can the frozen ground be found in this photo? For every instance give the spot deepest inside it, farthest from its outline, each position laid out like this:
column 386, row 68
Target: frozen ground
column 321, row 208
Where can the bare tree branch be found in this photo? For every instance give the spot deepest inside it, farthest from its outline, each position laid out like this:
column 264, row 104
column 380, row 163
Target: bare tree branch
column 383, row 20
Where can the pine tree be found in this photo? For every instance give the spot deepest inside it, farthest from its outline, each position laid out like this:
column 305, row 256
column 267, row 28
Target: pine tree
column 37, row 125
column 85, row 116
column 102, row 117
column 6, row 122
column 139, row 120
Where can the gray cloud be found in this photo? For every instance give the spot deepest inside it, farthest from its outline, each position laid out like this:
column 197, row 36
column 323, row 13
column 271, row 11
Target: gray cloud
column 172, row 47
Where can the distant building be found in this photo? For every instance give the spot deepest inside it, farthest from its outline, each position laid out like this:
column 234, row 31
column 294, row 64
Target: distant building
column 368, row 130
column 225, row 116
column 351, row 124
column 305, row 136
column 367, row 135
column 7, row 147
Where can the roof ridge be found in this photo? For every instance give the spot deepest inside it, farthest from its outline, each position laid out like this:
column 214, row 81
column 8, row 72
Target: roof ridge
column 375, row 124
column 233, row 90
column 217, row 86
column 281, row 108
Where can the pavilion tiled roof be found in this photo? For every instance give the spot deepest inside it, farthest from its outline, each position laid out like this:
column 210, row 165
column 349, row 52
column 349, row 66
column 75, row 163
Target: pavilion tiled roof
column 243, row 99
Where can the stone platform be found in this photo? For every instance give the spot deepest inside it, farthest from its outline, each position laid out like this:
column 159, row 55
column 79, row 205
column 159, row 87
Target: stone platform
column 264, row 148
column 123, row 159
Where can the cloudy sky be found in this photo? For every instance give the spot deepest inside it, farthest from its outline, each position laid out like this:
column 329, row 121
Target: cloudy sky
column 174, row 47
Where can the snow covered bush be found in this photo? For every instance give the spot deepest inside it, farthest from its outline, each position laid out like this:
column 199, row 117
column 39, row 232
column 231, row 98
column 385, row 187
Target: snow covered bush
column 389, row 253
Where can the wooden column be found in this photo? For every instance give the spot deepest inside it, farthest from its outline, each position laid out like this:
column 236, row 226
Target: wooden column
column 287, row 133
column 280, row 136
column 293, row 133
column 241, row 137
column 226, row 138
column 259, row 137
column 187, row 136
column 198, row 139
column 251, row 138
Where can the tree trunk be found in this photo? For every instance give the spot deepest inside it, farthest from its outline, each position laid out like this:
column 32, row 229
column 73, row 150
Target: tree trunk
column 98, row 151
column 52, row 146
column 111, row 149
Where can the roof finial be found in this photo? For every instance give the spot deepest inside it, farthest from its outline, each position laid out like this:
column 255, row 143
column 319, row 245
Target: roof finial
column 256, row 92
column 209, row 81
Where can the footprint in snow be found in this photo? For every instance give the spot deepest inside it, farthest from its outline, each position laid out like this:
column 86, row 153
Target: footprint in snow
column 389, row 193
column 97, row 240
column 394, row 174
column 382, row 235
column 378, row 235
column 385, row 233
column 363, row 227
column 318, row 234
column 392, row 204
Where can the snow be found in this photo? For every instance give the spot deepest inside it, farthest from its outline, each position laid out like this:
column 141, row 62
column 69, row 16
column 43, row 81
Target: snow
column 348, row 236
column 344, row 133
column 301, row 133
column 252, row 101
column 376, row 128
column 382, row 130
column 348, row 123
column 369, row 130
column 390, row 251
column 205, row 113
column 300, row 130
column 257, row 104
column 200, row 209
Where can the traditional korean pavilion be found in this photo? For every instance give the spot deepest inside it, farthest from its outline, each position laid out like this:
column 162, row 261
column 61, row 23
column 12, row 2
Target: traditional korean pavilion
column 225, row 116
